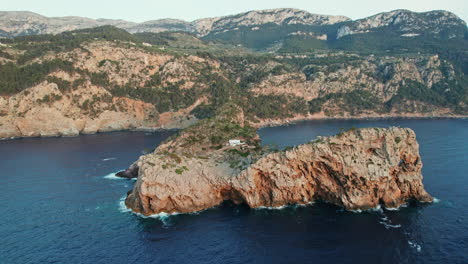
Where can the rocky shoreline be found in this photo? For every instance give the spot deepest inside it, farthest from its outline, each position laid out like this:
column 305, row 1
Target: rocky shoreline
column 359, row 169
column 268, row 123
column 289, row 121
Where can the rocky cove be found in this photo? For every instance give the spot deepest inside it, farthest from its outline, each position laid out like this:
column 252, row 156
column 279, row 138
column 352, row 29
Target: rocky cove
column 357, row 169
column 78, row 209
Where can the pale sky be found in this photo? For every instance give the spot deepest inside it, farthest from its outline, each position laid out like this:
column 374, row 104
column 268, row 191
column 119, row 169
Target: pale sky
column 143, row 10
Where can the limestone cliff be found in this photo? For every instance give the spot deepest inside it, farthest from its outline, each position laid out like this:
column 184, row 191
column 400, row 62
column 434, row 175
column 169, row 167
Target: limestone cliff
column 79, row 98
column 358, row 169
column 28, row 23
column 62, row 86
column 408, row 24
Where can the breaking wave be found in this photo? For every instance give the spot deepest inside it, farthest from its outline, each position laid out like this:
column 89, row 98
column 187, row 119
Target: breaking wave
column 378, row 208
column 163, row 217
column 414, row 245
column 112, row 176
column 283, row 206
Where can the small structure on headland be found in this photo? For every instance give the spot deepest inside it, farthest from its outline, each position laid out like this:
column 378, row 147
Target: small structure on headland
column 235, row 142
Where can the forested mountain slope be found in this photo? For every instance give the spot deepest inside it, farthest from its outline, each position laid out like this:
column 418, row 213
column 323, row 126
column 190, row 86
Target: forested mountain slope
column 104, row 78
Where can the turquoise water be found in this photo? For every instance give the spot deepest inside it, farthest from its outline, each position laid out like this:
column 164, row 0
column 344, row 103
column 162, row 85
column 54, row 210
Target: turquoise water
column 59, row 207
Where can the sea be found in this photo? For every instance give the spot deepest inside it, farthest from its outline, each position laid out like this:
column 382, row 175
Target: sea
column 61, row 203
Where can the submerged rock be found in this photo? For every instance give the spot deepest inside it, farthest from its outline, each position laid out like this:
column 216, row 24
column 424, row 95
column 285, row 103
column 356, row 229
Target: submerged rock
column 358, row 169
column 130, row 173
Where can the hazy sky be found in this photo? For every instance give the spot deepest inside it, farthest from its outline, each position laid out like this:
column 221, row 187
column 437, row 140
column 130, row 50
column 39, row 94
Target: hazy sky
column 142, row 10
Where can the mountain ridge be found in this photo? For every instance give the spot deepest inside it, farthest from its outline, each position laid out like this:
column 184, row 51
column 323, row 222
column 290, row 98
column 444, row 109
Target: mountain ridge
column 405, row 21
column 17, row 23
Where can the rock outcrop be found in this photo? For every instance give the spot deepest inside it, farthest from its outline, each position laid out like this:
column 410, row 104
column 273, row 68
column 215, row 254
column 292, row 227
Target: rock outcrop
column 279, row 16
column 28, row 23
column 408, row 24
column 18, row 23
column 69, row 103
column 130, row 173
column 358, row 169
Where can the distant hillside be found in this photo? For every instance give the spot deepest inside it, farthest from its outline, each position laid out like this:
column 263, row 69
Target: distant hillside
column 104, row 79
column 284, row 29
column 437, row 24
column 16, row 23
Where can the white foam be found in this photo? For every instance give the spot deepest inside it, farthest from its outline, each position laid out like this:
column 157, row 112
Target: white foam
column 387, row 222
column 161, row 216
column 396, row 208
column 271, row 208
column 107, row 159
column 388, row 226
column 304, row 205
column 436, row 200
column 112, row 176
column 122, row 207
column 415, row 245
column 378, row 208
column 283, row 206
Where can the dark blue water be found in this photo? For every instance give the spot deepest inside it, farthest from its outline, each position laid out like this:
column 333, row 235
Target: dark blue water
column 58, row 207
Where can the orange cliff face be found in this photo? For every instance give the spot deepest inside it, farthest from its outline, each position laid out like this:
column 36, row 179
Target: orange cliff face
column 358, row 170
column 112, row 85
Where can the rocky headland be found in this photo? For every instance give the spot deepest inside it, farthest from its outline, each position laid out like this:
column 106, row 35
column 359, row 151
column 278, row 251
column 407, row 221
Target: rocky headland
column 198, row 169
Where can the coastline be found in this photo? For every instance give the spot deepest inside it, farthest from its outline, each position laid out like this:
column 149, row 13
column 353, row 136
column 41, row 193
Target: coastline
column 294, row 120
column 263, row 124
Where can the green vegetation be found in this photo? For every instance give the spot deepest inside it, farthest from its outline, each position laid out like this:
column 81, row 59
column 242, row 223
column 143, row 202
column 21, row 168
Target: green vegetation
column 5, row 55
column 154, row 81
column 203, row 111
column 261, row 37
column 175, row 157
column 49, row 98
column 451, row 94
column 353, row 102
column 295, row 50
column 302, row 44
column 14, row 79
column 179, row 170
column 63, row 85
column 388, row 42
column 165, row 99
column 275, row 106
column 38, row 45
column 216, row 131
column 103, row 62
column 238, row 152
column 160, row 39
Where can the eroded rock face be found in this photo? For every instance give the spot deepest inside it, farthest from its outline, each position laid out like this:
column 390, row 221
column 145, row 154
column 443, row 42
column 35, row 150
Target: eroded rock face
column 358, row 169
column 130, row 173
column 48, row 108
column 405, row 22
